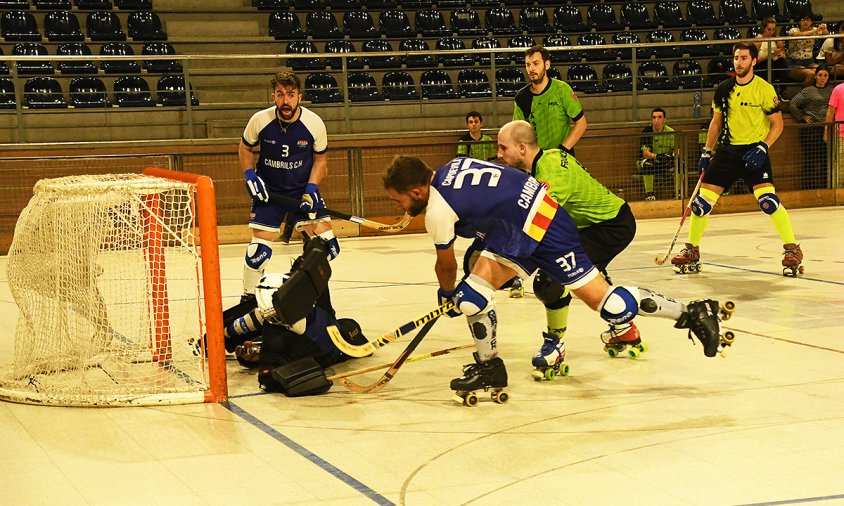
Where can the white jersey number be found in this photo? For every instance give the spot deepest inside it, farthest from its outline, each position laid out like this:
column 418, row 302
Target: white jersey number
column 567, row 261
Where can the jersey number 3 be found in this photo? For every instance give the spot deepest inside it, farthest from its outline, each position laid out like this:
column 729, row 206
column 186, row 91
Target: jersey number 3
column 567, row 262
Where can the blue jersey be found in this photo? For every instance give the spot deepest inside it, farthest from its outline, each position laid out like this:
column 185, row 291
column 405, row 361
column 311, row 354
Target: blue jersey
column 287, row 150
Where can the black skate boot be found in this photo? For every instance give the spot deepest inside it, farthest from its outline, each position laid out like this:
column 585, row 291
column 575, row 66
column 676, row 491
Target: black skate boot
column 701, row 318
column 490, row 374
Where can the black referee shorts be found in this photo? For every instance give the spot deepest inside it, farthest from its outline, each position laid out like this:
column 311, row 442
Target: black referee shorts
column 604, row 241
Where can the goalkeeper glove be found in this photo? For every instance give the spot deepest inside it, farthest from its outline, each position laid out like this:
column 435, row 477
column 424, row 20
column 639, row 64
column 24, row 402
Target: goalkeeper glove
column 255, row 186
column 311, row 200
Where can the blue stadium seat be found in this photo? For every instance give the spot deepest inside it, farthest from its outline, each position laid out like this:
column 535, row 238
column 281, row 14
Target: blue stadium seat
column 417, row 60
column 465, row 22
column 62, row 26
column 7, row 94
column 602, row 18
column 284, row 25
column 635, row 16
column 489, row 43
column 171, row 92
column 557, row 40
column 322, row 25
column 734, row 12
column 508, row 81
column 31, row 67
column 568, row 19
column 380, row 62
column 701, row 13
column 322, row 88
column 145, row 25
column 104, row 26
column 654, row 76
column 160, row 66
column 302, row 47
column 75, row 66
column 688, row 74
column 584, row 77
column 595, row 39
column 399, row 86
column 43, row 93
column 669, row 15
column 618, row 77
column 339, row 47
column 461, row 59
column 473, row 83
column 436, row 85
column 395, row 23
column 88, row 92
column 19, row 26
column 132, row 91
column 500, row 21
column 363, row 88
column 534, row 19
column 359, row 25
column 430, row 23
column 119, row 66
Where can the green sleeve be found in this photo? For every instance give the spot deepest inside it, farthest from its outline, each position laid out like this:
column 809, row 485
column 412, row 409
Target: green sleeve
column 517, row 112
column 573, row 106
column 462, row 148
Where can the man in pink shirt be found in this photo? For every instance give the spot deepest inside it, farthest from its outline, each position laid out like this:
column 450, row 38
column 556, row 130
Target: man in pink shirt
column 835, row 112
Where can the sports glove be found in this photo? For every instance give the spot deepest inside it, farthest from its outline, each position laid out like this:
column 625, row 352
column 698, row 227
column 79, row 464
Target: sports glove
column 443, row 297
column 311, row 199
column 255, row 186
column 756, row 156
column 665, row 158
column 705, row 158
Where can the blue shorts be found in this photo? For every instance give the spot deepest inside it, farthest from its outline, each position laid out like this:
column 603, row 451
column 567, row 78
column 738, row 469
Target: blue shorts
column 269, row 216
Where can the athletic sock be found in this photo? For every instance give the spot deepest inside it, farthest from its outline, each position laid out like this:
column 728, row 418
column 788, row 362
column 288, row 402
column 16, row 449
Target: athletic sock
column 557, row 321
column 648, row 181
column 698, row 224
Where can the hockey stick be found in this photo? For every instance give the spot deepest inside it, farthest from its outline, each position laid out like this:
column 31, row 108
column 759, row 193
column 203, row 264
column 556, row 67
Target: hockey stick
column 394, row 368
column 382, row 227
column 660, row 261
column 414, row 358
column 363, row 350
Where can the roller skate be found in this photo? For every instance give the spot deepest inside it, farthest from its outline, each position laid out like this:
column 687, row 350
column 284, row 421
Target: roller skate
column 688, row 261
column 792, row 256
column 517, row 290
column 550, row 361
column 619, row 338
column 650, row 196
column 247, row 353
column 703, row 319
column 487, row 375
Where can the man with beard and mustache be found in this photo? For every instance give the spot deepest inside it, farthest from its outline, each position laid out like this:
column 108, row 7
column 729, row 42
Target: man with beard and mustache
column 524, row 229
column 746, row 121
column 292, row 162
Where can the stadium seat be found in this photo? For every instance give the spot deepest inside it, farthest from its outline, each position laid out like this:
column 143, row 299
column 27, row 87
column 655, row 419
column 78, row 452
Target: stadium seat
column 339, row 47
column 399, row 86
column 584, row 77
column 734, row 12
column 301, row 47
column 416, row 4
column 669, row 15
column 308, row 5
column 93, row 5
column 465, row 22
column 43, row 93
column 417, row 60
column 595, row 39
column 51, row 5
column 363, row 88
column 344, row 5
column 568, row 19
column 7, row 94
column 436, row 85
column 145, row 25
column 500, row 21
column 557, row 40
column 761, row 9
column 489, row 43
column 449, row 4
column 380, row 62
column 430, row 23
column 132, row 91
column 635, row 16
column 629, row 38
column 696, row 34
column 75, row 66
column 718, row 69
column 395, row 23
column 753, row 31
column 654, row 76
column 270, row 5
column 31, row 67
column 521, row 43
column 473, row 83
column 534, row 19
column 322, row 88
column 4, row 67
column 794, row 9
column 461, row 59
column 14, row 4
column 88, row 92
column 160, row 66
column 62, row 26
column 511, row 3
column 618, row 77
column 359, row 25
column 134, row 5
column 120, row 66
column 380, row 5
column 484, row 3
column 726, row 33
column 602, row 18
column 657, row 37
column 104, row 26
column 701, row 13
column 19, row 26
column 323, row 25
column 171, row 92
column 688, row 74
column 284, row 25
column 555, row 74
column 508, row 81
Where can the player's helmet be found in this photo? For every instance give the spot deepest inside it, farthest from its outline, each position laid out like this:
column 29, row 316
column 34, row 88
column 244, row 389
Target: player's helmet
column 351, row 331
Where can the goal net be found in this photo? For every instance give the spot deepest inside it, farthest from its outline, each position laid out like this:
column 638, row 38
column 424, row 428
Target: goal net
column 108, row 277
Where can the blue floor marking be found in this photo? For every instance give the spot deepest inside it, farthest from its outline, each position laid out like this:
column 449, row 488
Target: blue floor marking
column 301, row 450
column 797, row 501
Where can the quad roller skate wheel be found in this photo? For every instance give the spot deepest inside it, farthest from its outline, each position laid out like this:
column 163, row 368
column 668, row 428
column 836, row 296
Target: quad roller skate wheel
column 500, row 396
column 728, row 338
column 550, row 373
column 466, row 398
column 727, row 310
column 636, row 350
column 792, row 271
column 687, row 268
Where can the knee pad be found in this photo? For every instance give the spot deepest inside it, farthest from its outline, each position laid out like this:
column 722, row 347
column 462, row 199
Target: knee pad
column 331, row 243
column 769, row 203
column 474, row 296
column 553, row 294
column 620, row 304
column 258, row 253
column 700, row 206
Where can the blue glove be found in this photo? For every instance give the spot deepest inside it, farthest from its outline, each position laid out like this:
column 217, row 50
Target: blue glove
column 705, row 158
column 756, row 156
column 311, row 200
column 255, row 186
column 443, row 297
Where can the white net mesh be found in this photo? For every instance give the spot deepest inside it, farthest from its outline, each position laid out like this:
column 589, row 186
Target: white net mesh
column 105, row 272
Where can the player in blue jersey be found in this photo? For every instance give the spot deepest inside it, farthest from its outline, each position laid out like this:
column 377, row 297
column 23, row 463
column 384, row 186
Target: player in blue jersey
column 292, row 162
column 523, row 229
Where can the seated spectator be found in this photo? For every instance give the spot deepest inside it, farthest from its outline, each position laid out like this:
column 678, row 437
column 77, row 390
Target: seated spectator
column 779, row 67
column 832, row 53
column 800, row 52
column 659, row 148
column 475, row 144
column 810, row 106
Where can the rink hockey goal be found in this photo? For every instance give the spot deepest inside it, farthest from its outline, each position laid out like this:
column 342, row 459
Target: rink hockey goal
column 115, row 293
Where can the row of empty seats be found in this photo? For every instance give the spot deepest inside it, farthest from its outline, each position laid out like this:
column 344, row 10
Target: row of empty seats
column 475, row 83
column 89, row 67
column 89, row 92
column 65, row 26
column 466, row 21
column 82, row 5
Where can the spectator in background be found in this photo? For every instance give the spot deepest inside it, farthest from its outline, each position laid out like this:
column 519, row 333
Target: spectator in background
column 800, row 51
column 832, row 53
column 810, row 106
column 659, row 148
column 835, row 112
column 475, row 144
column 776, row 53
